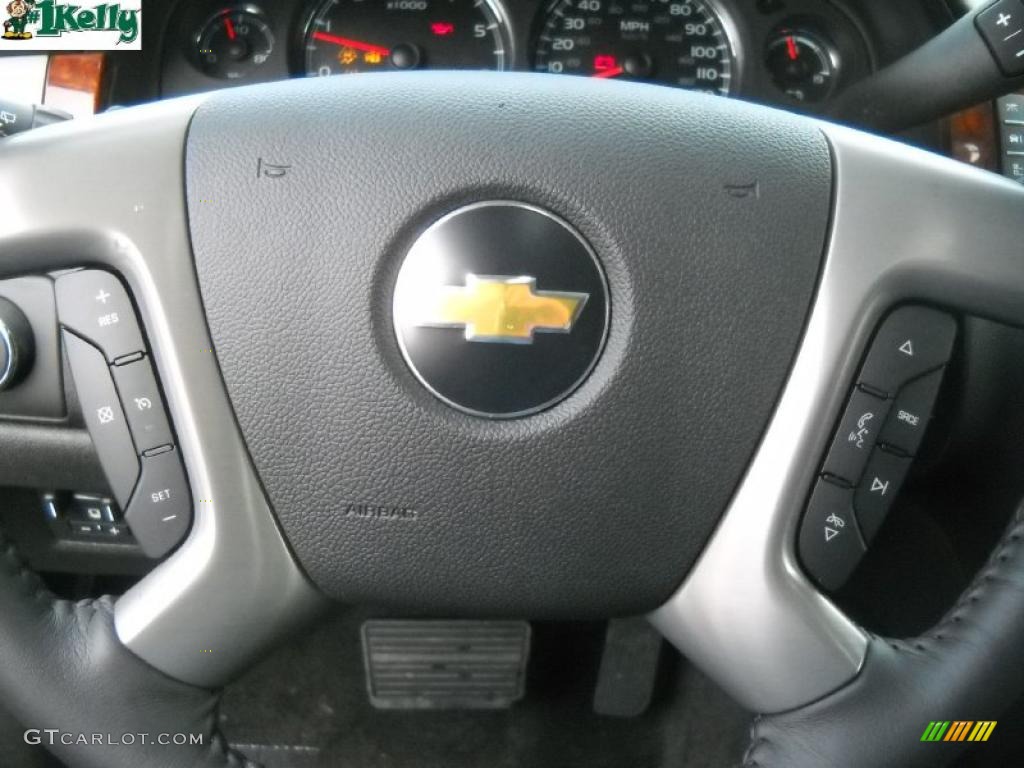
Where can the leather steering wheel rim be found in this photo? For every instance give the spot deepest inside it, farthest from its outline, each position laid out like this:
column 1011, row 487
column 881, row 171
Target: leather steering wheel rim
column 969, row 662
column 59, row 654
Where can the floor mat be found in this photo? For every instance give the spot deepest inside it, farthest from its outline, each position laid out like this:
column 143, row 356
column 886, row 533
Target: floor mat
column 306, row 705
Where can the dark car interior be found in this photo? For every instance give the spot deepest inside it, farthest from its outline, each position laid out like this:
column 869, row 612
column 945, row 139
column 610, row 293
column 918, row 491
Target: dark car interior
column 393, row 383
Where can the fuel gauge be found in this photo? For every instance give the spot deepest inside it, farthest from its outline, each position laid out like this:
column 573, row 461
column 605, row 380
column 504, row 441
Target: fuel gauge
column 233, row 42
column 802, row 64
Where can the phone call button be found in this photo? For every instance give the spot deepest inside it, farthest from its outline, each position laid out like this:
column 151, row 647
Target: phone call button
column 858, row 432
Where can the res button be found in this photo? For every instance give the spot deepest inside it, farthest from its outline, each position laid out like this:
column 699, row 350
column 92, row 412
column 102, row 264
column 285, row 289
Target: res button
column 94, row 304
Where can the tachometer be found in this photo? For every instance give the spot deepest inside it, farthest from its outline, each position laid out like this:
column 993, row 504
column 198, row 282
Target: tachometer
column 674, row 42
column 376, row 35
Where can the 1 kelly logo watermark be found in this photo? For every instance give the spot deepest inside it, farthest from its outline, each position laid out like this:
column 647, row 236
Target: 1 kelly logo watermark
column 48, row 25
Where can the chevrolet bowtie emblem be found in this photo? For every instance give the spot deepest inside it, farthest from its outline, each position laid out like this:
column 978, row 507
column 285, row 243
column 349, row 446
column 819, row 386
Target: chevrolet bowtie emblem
column 499, row 309
column 492, row 272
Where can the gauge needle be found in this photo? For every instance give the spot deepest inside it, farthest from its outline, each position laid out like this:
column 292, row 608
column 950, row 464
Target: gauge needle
column 349, row 43
column 610, row 72
column 229, row 27
column 791, row 48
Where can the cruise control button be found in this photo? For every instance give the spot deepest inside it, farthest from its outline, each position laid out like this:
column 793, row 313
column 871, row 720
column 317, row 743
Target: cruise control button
column 857, row 434
column 830, row 544
column 103, row 416
column 143, row 405
column 911, row 341
column 95, row 305
column 883, row 477
column 911, row 412
column 160, row 512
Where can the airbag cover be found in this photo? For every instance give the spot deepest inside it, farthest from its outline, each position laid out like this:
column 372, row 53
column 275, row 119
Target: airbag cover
column 708, row 217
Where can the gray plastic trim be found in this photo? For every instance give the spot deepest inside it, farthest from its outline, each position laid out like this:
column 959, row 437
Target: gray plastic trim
column 109, row 191
column 908, row 225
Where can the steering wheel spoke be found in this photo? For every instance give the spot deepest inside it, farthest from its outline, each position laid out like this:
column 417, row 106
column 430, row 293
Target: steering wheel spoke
column 908, row 226
column 108, row 194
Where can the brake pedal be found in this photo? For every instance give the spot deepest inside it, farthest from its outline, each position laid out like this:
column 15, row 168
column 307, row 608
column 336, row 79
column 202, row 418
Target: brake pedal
column 426, row 664
column 629, row 668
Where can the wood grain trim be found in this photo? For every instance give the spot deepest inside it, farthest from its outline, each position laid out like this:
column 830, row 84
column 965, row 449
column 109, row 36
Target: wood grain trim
column 82, row 72
column 973, row 137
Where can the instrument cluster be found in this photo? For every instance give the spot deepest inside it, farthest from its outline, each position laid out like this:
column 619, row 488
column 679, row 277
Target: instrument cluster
column 793, row 53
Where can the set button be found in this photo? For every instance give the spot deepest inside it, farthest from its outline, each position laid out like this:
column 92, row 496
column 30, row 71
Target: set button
column 160, row 512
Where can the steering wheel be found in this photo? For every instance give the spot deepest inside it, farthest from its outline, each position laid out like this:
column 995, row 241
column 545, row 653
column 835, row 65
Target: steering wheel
column 735, row 262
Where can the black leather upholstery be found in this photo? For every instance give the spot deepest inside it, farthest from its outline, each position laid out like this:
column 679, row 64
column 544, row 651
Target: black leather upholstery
column 62, row 667
column 970, row 666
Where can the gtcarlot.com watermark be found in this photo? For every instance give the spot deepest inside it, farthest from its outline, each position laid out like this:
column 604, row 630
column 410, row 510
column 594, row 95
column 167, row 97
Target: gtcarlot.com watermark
column 50, row 737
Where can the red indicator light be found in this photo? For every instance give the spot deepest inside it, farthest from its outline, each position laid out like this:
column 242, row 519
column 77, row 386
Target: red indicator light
column 791, row 48
column 603, row 62
column 442, row 28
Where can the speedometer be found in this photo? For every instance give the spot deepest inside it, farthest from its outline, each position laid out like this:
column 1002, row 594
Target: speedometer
column 673, row 42
column 378, row 35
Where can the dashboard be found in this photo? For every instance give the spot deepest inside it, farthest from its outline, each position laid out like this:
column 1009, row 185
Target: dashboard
column 790, row 53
